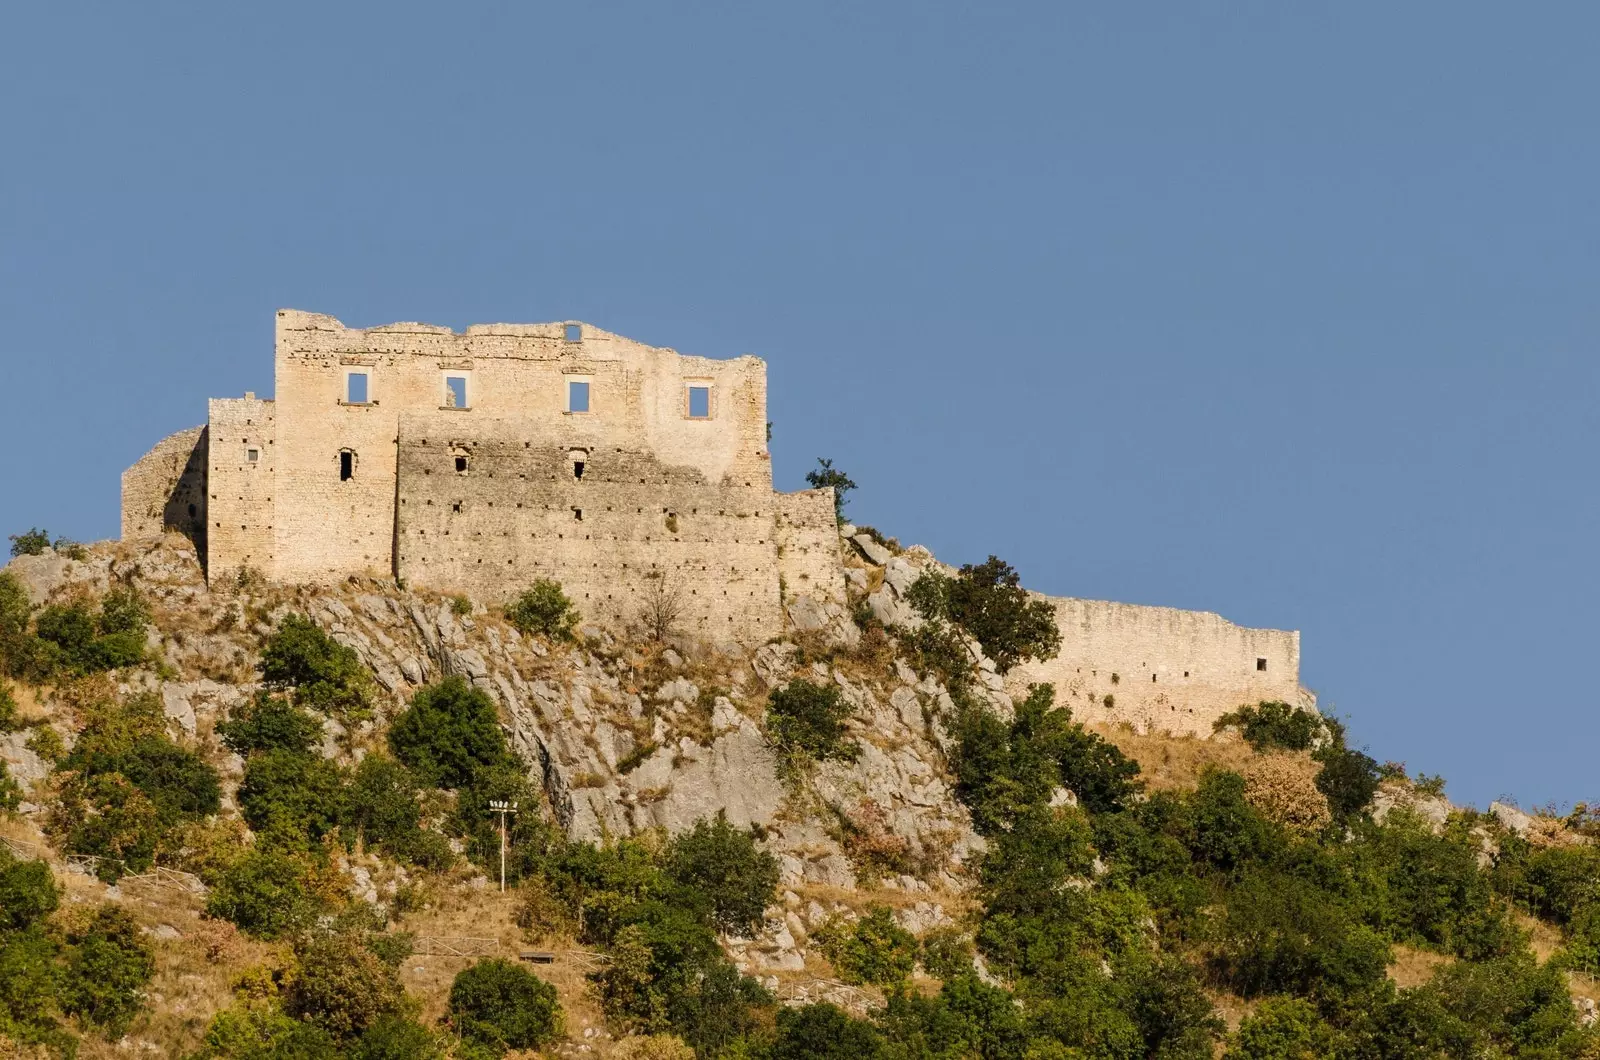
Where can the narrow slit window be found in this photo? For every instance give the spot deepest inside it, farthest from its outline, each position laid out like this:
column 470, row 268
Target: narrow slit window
column 699, row 403
column 577, row 515
column 577, row 395
column 347, row 465
column 355, row 388
column 1261, row 664
column 455, row 392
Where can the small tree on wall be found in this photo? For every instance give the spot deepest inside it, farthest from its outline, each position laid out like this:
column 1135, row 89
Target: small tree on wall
column 663, row 604
column 825, row 476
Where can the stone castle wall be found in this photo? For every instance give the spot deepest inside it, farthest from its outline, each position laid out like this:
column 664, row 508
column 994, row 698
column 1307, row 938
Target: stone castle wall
column 1162, row 668
column 328, row 527
column 808, row 546
column 486, row 506
column 166, row 489
column 241, row 486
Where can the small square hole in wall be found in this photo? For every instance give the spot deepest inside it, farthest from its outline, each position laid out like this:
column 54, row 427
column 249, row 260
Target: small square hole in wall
column 699, row 403
column 577, row 396
column 455, row 392
column 577, row 515
column 574, row 332
column 355, row 388
column 252, row 455
column 461, row 465
column 1261, row 664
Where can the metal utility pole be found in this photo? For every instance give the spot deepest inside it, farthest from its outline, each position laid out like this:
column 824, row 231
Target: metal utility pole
column 502, row 808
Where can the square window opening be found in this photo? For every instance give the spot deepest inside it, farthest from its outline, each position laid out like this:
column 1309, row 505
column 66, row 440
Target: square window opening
column 699, row 403
column 252, row 455
column 577, row 396
column 355, row 388
column 455, row 392
column 461, row 465
column 1261, row 664
column 574, row 332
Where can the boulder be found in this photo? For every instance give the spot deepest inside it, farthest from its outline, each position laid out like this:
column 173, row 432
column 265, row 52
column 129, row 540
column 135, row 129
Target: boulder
column 870, row 548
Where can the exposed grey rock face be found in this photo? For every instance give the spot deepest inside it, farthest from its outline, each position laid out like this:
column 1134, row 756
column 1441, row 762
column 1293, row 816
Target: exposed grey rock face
column 870, row 548
column 1511, row 817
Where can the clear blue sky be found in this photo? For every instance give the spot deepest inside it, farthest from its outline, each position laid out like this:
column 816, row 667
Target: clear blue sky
column 1286, row 314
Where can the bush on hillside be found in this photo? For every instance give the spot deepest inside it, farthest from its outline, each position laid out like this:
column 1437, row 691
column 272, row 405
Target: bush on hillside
column 1274, row 726
column 28, row 892
column 323, row 674
column 807, row 722
column 15, row 612
column 341, row 986
column 543, row 609
column 502, row 1006
column 724, row 864
column 394, row 1037
column 1349, row 780
column 449, row 734
column 108, row 964
column 824, row 1031
column 988, row 601
column 875, row 949
column 30, row 542
column 383, row 812
column 8, row 710
column 1283, row 791
column 265, row 894
column 289, row 797
column 269, row 723
column 72, row 639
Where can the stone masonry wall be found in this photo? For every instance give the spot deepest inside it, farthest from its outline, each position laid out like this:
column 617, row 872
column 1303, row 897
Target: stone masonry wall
column 328, row 527
column 1162, row 668
column 487, row 506
column 809, row 561
column 241, row 486
column 167, row 489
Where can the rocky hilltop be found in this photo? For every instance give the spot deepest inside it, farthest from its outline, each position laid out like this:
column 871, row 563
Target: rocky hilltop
column 955, row 798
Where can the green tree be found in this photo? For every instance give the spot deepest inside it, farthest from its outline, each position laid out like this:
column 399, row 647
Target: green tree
column 1283, row 1028
column 826, row 476
column 341, row 986
column 988, row 601
column 1274, row 726
column 16, row 654
column 824, row 1032
column 449, row 734
column 28, row 892
column 381, row 808
column 264, row 894
column 543, row 609
column 324, row 674
column 874, row 949
column 502, row 1006
column 807, row 722
column 724, row 864
column 108, row 964
column 286, row 795
column 30, row 542
column 394, row 1037
column 269, row 723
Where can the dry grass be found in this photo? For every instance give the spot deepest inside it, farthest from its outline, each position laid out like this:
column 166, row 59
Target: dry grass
column 1413, row 967
column 1176, row 762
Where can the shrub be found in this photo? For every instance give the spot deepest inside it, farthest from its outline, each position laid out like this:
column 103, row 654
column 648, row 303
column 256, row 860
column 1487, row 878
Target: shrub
column 724, row 864
column 947, row 953
column 1283, row 1028
column 264, row 894
column 107, row 967
column 381, row 808
column 286, row 795
column 8, row 710
column 874, row 949
column 1274, row 726
column 545, row 610
column 15, row 609
column 341, row 986
column 806, row 721
column 652, row 1047
column 1349, row 779
column 269, row 723
column 394, row 1037
column 1284, row 792
column 10, row 790
column 71, row 638
column 449, row 734
column 824, row 1032
column 988, row 601
column 826, row 476
column 497, row 1004
column 30, row 542
column 324, row 674
column 28, row 892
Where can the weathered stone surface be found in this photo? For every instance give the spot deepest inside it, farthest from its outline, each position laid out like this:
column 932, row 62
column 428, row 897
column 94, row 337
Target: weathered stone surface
column 870, row 548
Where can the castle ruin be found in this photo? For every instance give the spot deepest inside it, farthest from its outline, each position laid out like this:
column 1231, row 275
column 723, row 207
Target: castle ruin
column 477, row 462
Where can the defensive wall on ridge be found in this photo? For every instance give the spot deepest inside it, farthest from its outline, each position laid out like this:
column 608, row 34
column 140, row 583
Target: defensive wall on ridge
column 1160, row 668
